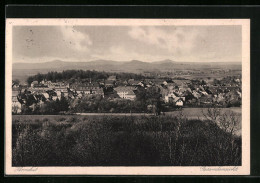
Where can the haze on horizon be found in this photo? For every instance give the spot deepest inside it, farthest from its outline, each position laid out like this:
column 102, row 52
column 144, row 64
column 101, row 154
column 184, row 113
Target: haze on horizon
column 125, row 43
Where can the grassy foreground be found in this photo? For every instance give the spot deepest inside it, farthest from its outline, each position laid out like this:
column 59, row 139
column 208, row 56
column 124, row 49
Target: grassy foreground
column 122, row 141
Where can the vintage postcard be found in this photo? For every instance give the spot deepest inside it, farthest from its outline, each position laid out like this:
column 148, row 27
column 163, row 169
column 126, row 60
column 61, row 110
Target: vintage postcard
column 127, row 97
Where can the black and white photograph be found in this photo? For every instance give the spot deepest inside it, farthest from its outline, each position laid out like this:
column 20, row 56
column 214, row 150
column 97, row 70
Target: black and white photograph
column 135, row 96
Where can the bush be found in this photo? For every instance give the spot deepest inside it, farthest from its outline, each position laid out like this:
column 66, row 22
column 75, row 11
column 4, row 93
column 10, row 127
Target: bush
column 73, row 120
column 85, row 119
column 16, row 121
column 37, row 120
column 62, row 119
column 45, row 119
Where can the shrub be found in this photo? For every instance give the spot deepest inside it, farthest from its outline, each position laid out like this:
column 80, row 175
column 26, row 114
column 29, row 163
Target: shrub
column 62, row 119
column 84, row 119
column 37, row 120
column 72, row 120
column 16, row 121
column 45, row 119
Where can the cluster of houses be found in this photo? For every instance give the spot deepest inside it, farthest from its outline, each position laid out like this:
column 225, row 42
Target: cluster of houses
column 185, row 92
column 177, row 92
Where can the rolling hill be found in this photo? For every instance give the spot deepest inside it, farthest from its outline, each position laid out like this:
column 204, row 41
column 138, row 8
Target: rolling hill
column 108, row 65
column 21, row 70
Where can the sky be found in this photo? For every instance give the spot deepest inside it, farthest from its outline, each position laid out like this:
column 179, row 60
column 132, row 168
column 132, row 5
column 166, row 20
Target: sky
column 125, row 43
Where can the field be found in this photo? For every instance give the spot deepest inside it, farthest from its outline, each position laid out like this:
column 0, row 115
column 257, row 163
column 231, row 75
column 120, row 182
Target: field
column 211, row 75
column 190, row 113
column 122, row 140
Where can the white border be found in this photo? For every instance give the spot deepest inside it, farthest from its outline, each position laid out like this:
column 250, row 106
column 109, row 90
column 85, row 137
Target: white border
column 194, row 170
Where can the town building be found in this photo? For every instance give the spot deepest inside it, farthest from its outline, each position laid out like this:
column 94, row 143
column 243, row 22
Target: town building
column 34, row 83
column 16, row 105
column 179, row 101
column 110, row 83
column 88, row 88
column 111, row 78
column 59, row 86
column 168, row 98
column 126, row 92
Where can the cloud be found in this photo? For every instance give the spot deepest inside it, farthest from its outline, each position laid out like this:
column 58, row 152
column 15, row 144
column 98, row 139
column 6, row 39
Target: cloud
column 26, row 59
column 176, row 41
column 77, row 40
column 121, row 53
column 124, row 43
column 117, row 53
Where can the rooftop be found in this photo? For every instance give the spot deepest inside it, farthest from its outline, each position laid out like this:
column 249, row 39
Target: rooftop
column 128, row 89
column 111, row 78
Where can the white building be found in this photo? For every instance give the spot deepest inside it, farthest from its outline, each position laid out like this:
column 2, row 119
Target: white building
column 179, row 102
column 126, row 92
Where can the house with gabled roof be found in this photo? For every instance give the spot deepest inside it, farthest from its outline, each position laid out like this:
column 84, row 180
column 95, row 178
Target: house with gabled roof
column 169, row 97
column 179, row 101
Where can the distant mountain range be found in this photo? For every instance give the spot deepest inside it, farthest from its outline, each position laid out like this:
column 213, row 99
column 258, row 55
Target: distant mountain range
column 134, row 66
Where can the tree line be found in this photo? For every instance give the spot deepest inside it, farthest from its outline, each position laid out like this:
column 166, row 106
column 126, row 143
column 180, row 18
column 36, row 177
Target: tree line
column 72, row 75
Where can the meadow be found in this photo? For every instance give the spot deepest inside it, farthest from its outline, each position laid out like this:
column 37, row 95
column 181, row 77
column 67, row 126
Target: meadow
column 193, row 113
column 141, row 140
